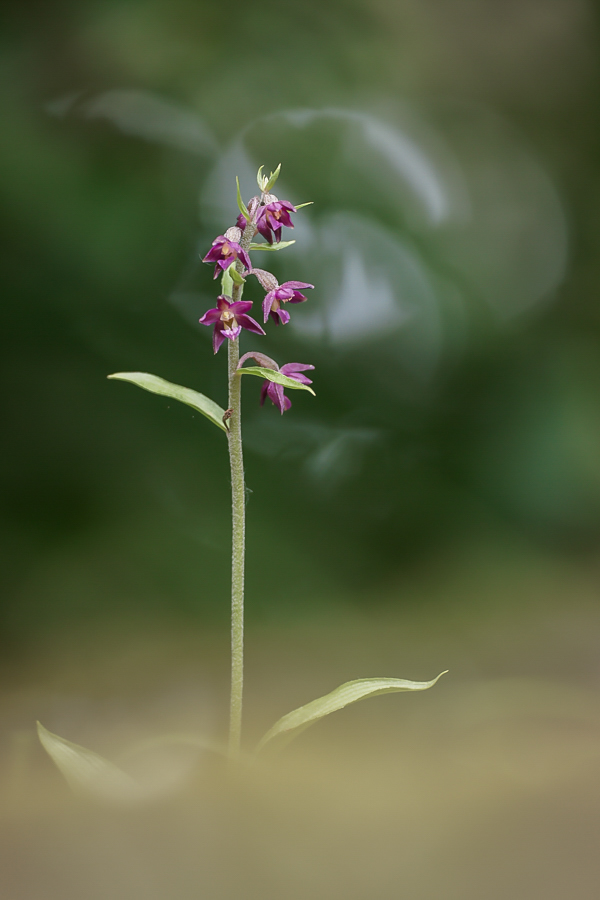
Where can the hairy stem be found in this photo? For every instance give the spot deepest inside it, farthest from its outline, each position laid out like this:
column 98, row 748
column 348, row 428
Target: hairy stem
column 236, row 460
column 238, row 515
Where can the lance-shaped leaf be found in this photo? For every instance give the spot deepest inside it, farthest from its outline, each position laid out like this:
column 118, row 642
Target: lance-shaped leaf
column 157, row 385
column 294, row 723
column 88, row 773
column 277, row 377
column 241, row 205
column 302, row 205
column 279, row 246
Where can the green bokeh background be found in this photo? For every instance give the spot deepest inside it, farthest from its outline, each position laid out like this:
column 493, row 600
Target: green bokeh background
column 477, row 427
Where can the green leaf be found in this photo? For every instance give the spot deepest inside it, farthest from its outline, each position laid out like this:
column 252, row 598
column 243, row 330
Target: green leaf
column 88, row 773
column 157, row 385
column 241, row 205
column 277, row 377
column 302, row 205
column 291, row 725
column 280, row 246
column 272, row 179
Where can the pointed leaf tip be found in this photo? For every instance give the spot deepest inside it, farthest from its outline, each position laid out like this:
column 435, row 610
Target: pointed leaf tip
column 88, row 773
column 279, row 246
column 156, row 385
column 277, row 377
column 294, row 723
column 241, row 205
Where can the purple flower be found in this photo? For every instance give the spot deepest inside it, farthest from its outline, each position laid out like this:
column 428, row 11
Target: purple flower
column 269, row 388
column 271, row 217
column 288, row 292
column 229, row 318
column 224, row 253
column 275, row 391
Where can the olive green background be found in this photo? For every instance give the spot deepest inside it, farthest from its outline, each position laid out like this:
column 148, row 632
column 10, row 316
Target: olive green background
column 466, row 417
column 436, row 506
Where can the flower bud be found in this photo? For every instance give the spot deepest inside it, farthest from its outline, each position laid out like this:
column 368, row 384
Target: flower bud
column 266, row 279
column 233, row 234
column 264, row 183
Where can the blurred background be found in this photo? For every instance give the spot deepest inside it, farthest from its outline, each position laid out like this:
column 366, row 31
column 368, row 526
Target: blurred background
column 436, row 506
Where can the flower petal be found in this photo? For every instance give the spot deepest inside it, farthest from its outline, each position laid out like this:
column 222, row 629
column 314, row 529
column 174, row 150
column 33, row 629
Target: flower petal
column 215, row 251
column 210, row 317
column 268, row 303
column 232, row 333
column 297, row 285
column 275, row 392
column 295, row 367
column 284, row 316
column 249, row 324
column 240, row 306
column 264, row 391
column 218, row 337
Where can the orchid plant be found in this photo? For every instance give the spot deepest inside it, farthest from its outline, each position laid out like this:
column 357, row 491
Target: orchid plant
column 264, row 215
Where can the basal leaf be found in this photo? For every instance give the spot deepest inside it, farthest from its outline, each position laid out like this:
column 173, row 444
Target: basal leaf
column 295, row 722
column 88, row 773
column 157, row 385
column 277, row 377
column 280, row 246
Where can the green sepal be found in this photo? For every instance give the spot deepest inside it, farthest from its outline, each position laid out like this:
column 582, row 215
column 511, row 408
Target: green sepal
column 157, row 385
column 292, row 724
column 277, row 377
column 280, row 246
column 235, row 275
column 241, row 205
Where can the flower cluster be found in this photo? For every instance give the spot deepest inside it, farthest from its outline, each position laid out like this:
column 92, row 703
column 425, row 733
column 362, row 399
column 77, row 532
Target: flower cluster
column 265, row 215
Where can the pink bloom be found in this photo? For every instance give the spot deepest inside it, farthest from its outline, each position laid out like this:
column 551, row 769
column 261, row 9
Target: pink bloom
column 288, row 292
column 229, row 318
column 224, row 253
column 271, row 217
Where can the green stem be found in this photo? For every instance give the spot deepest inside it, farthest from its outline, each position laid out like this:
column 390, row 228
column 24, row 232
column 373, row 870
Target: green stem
column 236, row 460
column 238, row 525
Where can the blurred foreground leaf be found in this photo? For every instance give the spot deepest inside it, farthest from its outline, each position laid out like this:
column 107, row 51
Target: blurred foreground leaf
column 157, row 385
column 292, row 724
column 277, row 377
column 90, row 774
